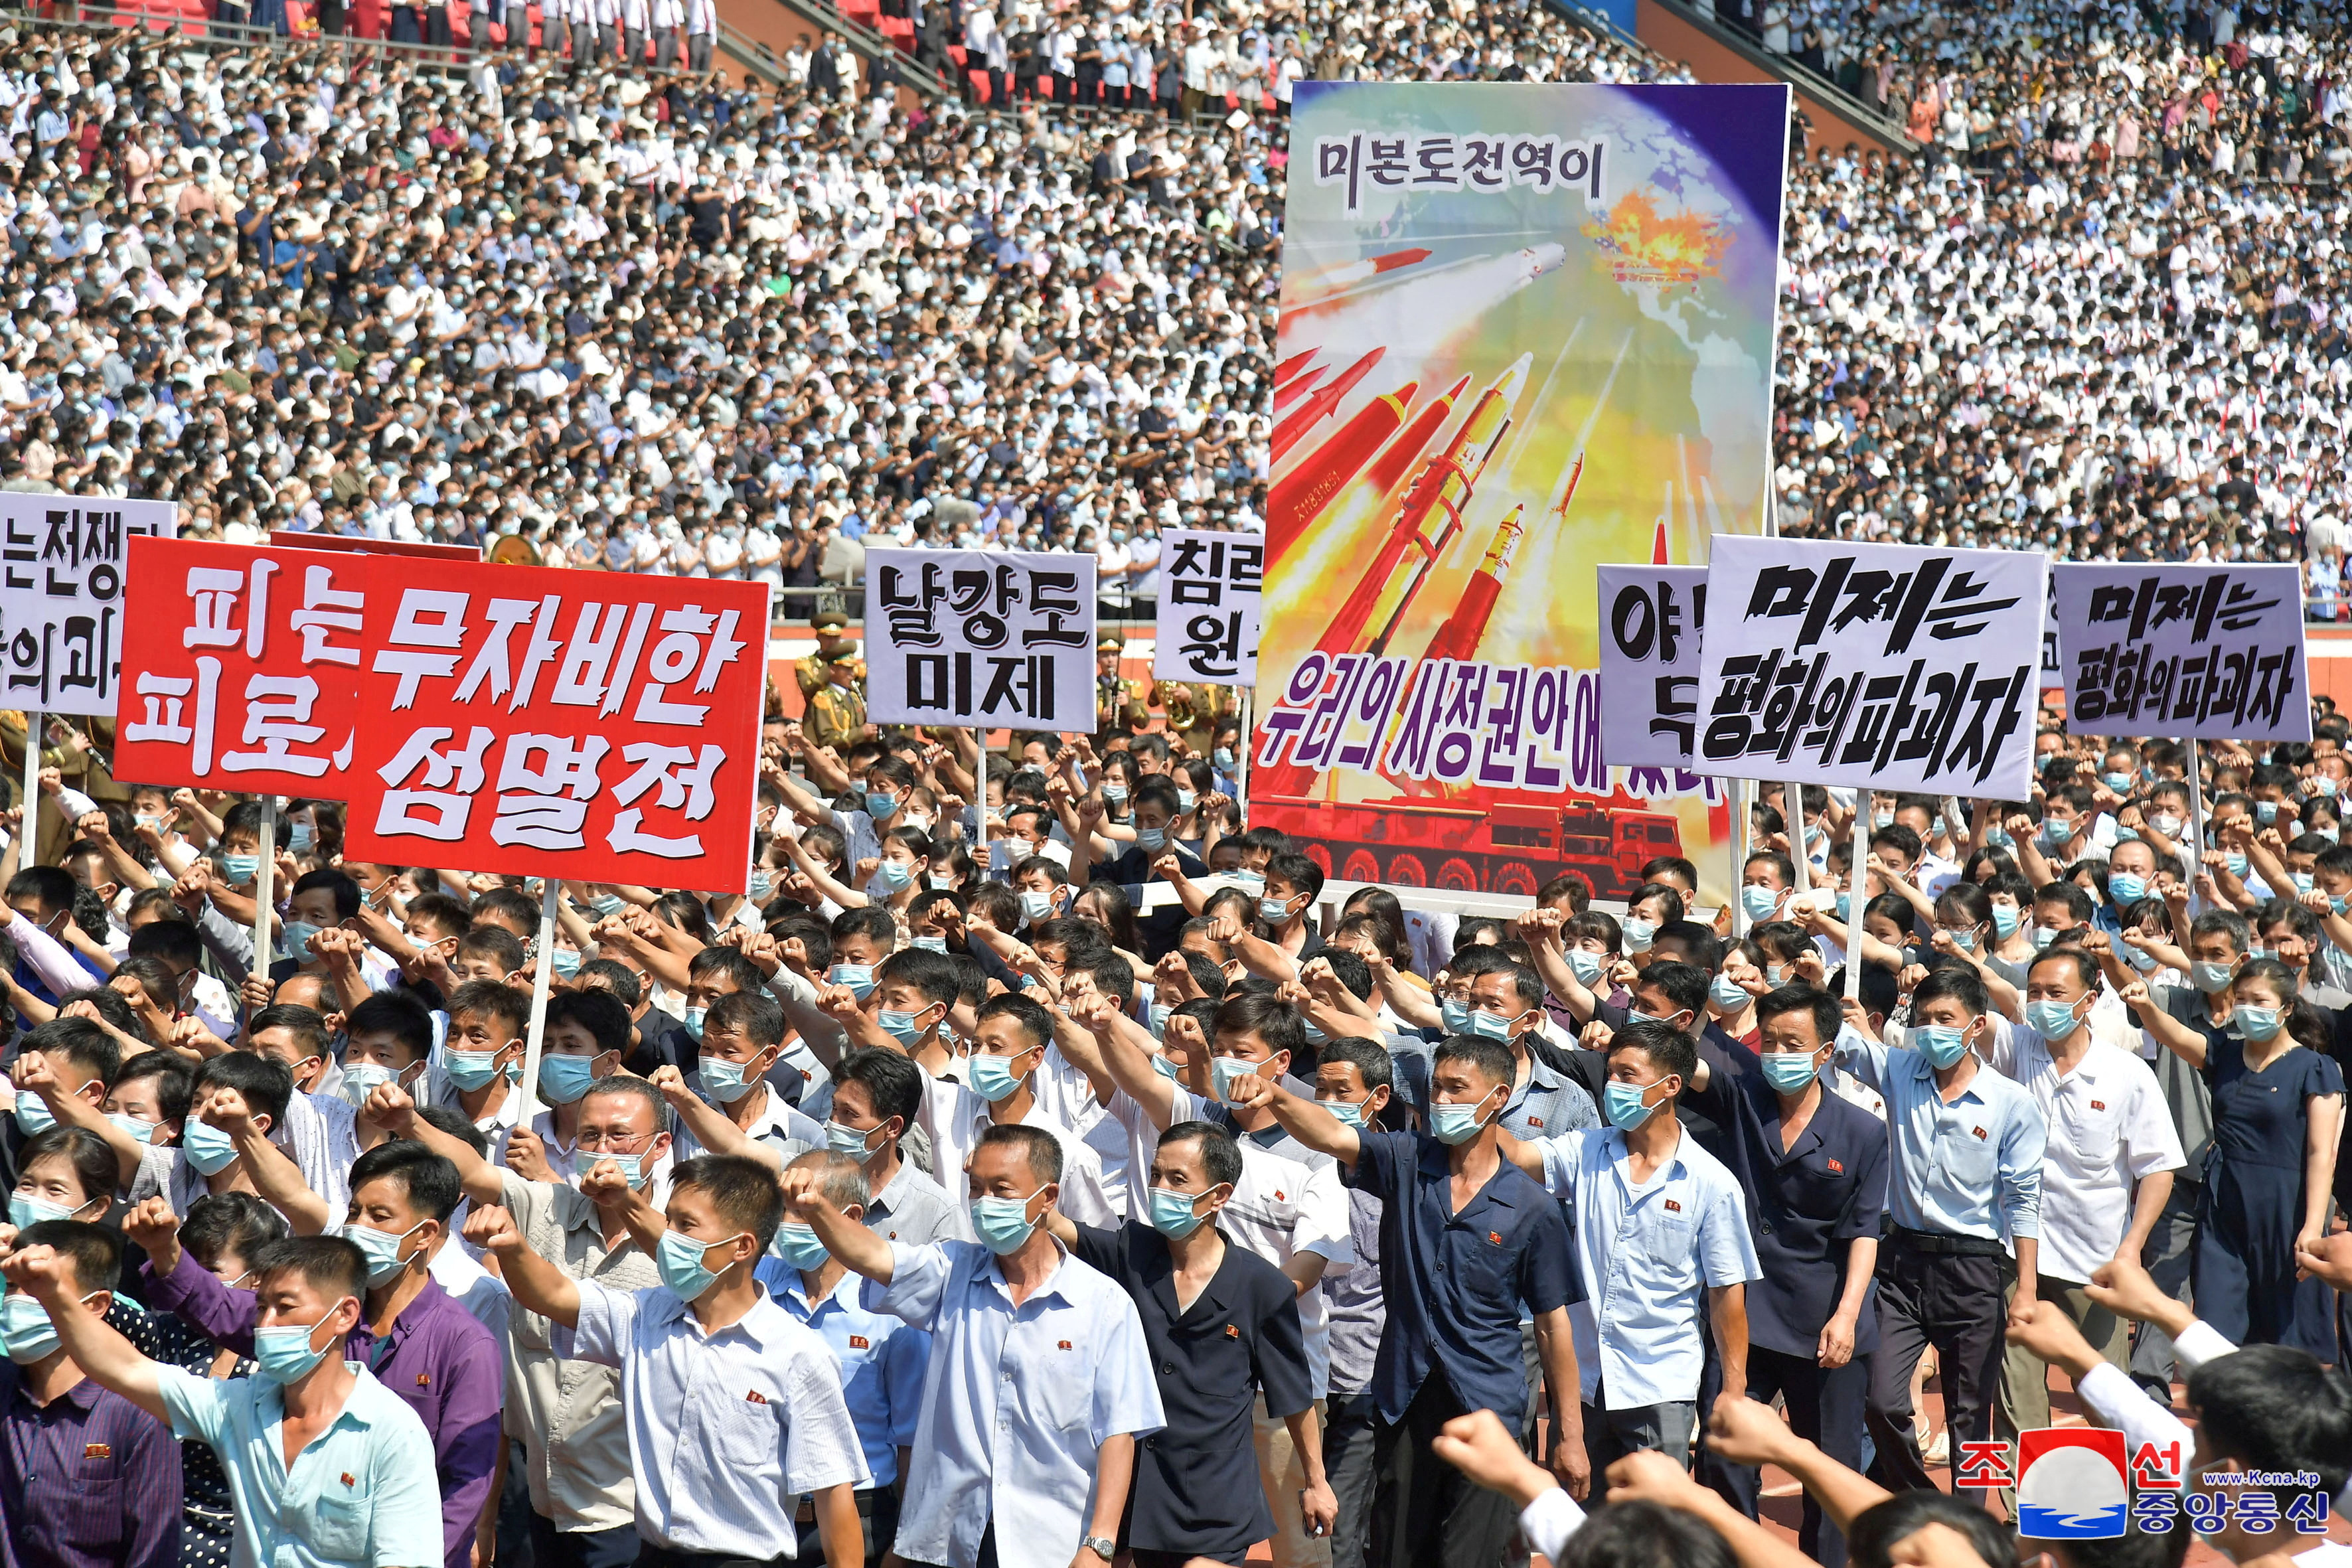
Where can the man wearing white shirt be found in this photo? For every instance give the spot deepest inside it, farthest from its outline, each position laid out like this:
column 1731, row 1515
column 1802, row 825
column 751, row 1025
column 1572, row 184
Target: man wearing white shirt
column 1009, row 1042
column 701, row 33
column 2107, row 1168
column 1041, row 1378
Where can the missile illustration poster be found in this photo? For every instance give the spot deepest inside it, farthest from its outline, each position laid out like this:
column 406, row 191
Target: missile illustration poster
column 1527, row 329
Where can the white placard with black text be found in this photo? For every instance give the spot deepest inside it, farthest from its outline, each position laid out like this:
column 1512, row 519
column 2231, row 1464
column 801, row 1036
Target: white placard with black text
column 999, row 638
column 1651, row 617
column 2186, row 652
column 62, row 564
column 1209, row 586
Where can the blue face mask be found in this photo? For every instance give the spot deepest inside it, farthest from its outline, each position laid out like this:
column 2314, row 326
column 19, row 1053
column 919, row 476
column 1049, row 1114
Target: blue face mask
column 943, row 881
column 24, row 1210
column 1274, row 911
column 1037, row 906
column 1456, row 1124
column 2266, row 810
column 1788, row 1071
column 930, row 943
column 2212, row 978
column 564, row 961
column 360, row 1080
column 1882, row 819
column 1639, row 934
column 239, row 868
column 632, row 1166
column 1623, row 1104
column 605, row 905
column 1846, row 905
column 2126, row 887
column 34, row 1116
column 858, row 978
column 1587, row 967
column 1455, row 1016
column 380, row 1249
column 850, row 1140
column 1349, row 1112
column 1250, row 882
column 473, row 1069
column 296, row 941
column 896, row 876
column 1114, row 795
column 2119, row 783
column 879, row 804
column 1164, row 1067
column 1939, row 1043
column 763, row 884
column 1172, row 1216
column 1727, row 993
column 797, row 1245
column 1488, row 1025
column 2004, row 921
column 2303, row 881
column 724, row 1081
column 2260, row 1025
column 1223, row 1071
column 1151, row 840
column 1002, row 1224
column 140, row 1131
column 1760, row 902
column 1999, row 838
column 26, row 1335
column 693, row 1021
column 2052, row 1020
column 284, row 1352
column 299, row 836
column 901, row 1026
column 1156, row 1018
column 679, row 1257
column 1965, row 940
column 1186, row 800
column 2236, row 860
column 206, row 1146
column 993, row 1077
column 565, row 1079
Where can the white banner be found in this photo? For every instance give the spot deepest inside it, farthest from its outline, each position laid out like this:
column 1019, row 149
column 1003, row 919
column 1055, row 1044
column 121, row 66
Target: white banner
column 1210, row 585
column 979, row 636
column 1886, row 666
column 63, row 559
column 2185, row 652
column 1651, row 617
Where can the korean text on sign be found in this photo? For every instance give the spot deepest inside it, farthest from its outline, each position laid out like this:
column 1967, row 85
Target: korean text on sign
column 1883, row 666
column 529, row 719
column 1210, row 589
column 969, row 637
column 1651, row 618
column 239, row 666
column 2195, row 652
column 63, row 564
column 1369, row 163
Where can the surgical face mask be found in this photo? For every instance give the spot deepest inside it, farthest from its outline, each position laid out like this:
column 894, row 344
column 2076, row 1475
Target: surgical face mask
column 1114, row 795
column 382, row 1249
column 858, row 978
column 1349, row 1112
column 1940, row 1043
column 1491, row 1025
column 297, row 940
column 1455, row 1015
column 1622, row 1103
column 361, row 1078
column 929, row 944
column 879, row 802
column 1845, row 906
column 1274, row 911
column 1586, row 967
column 1882, row 819
column 693, row 1020
column 2260, row 1025
column 1186, row 799
column 2126, row 887
column 1965, row 940
column 993, row 1077
column 2303, row 881
column 1251, row 881
column 633, row 1167
column 1758, row 902
column 1172, row 1216
column 1002, row 1224
column 1456, row 1124
column 1788, row 1071
column 2051, row 1019
column 2236, row 860
column 1639, row 934
column 34, row 1116
column 565, row 1079
column 798, row 1246
column 2164, row 823
column 1727, row 993
column 896, row 875
column 2004, row 921
column 2212, row 978
column 2043, row 936
column 207, row 1147
column 24, row 1209
column 25, row 1332
column 679, row 1257
column 854, row 1141
column 1151, row 840
column 1037, row 906
column 474, row 1069
column 2119, row 783
column 284, row 1351
column 901, row 1026
column 605, row 905
column 2324, row 785
column 724, row 1081
column 2266, row 810
column 239, row 868
column 140, row 1131
column 943, row 881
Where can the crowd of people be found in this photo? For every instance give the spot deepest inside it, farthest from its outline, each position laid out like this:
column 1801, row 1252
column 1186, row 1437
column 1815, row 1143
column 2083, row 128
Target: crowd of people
column 1038, row 1165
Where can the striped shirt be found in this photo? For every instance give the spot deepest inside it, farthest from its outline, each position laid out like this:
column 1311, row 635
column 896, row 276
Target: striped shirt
column 91, row 1480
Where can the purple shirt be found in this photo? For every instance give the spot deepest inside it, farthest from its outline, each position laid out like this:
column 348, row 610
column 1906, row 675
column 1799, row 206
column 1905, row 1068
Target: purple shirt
column 438, row 1359
column 91, row 1480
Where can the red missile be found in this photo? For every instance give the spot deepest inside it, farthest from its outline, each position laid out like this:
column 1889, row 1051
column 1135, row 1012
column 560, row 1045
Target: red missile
column 1353, row 272
column 1398, row 456
column 1458, row 638
column 1293, row 365
column 1302, row 494
column 1296, row 388
column 1322, row 401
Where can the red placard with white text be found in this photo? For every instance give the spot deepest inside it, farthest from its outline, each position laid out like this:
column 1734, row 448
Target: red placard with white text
column 536, row 720
column 239, row 668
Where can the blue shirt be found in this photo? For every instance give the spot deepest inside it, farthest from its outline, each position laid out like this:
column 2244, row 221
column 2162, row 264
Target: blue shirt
column 1645, row 1255
column 1458, row 1284
column 882, row 1360
column 1971, row 1167
column 361, row 1495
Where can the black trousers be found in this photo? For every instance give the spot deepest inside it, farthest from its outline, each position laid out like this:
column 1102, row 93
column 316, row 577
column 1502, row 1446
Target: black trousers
column 1426, row 1513
column 878, row 1518
column 1954, row 1303
column 1825, row 1407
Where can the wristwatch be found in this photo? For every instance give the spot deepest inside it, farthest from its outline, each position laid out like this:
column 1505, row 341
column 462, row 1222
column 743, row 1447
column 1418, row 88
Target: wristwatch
column 1102, row 1546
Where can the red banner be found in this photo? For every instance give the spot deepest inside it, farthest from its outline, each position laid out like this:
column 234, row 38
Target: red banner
column 537, row 720
column 239, row 668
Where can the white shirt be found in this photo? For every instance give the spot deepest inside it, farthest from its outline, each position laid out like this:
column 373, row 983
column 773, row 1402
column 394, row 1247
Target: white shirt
column 2108, row 1129
column 953, row 1116
column 477, row 1289
column 726, row 1430
column 1017, row 1402
column 777, row 1123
